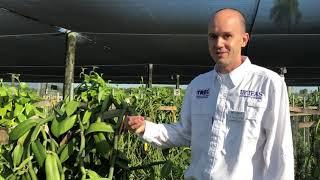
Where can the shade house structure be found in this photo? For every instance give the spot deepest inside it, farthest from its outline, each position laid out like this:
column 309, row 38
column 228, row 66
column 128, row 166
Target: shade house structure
column 132, row 40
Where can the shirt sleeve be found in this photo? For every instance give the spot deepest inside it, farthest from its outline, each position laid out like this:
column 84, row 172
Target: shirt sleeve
column 278, row 150
column 169, row 135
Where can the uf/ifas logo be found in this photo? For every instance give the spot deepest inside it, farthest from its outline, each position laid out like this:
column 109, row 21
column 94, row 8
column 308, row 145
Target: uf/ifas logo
column 251, row 94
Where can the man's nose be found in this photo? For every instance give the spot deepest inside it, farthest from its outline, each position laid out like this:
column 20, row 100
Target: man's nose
column 219, row 42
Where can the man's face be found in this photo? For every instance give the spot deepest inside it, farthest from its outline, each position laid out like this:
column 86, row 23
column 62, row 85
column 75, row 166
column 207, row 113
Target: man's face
column 226, row 37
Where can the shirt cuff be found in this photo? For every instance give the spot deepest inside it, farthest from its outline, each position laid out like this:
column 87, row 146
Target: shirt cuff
column 148, row 131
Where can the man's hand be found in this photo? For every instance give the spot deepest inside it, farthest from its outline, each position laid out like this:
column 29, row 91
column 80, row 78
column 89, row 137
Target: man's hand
column 136, row 124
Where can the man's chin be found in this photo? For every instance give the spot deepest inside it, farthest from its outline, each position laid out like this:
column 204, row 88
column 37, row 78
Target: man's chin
column 219, row 60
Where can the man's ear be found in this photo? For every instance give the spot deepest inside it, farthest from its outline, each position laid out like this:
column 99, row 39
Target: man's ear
column 245, row 39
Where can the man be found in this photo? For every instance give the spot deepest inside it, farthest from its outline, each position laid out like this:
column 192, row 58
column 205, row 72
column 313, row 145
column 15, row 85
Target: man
column 235, row 118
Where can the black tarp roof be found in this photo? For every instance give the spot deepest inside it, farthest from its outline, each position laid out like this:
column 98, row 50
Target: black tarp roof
column 122, row 36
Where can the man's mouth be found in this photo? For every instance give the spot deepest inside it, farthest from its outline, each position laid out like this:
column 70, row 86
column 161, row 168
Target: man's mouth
column 220, row 53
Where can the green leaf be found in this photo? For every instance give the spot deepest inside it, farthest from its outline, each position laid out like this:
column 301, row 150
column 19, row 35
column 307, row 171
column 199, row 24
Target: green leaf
column 22, row 117
column 84, row 96
column 24, row 100
column 100, row 94
column 55, row 127
column 71, row 107
column 34, row 97
column 39, row 113
column 100, row 81
column 99, row 127
column 29, row 108
column 86, row 78
column 68, row 150
column 3, row 91
column 86, row 117
column 102, row 145
column 93, row 93
column 24, row 163
column 92, row 174
column 8, row 106
column 23, row 85
column 13, row 91
column 166, row 169
column 59, row 128
column 23, row 94
column 3, row 111
column 60, row 112
column 18, row 109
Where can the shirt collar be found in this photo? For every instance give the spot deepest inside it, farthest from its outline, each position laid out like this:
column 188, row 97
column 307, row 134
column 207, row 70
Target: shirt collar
column 234, row 77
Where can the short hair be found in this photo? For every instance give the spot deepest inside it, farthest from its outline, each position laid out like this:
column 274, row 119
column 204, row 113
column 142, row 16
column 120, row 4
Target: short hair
column 242, row 16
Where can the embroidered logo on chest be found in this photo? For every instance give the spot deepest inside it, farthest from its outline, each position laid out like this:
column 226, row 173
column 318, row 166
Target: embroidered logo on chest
column 203, row 93
column 251, row 94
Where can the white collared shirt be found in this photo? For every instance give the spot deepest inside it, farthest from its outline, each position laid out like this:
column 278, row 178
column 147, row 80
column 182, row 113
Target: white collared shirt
column 237, row 124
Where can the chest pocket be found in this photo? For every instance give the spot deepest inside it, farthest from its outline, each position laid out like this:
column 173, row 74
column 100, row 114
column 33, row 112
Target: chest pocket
column 254, row 113
column 255, row 109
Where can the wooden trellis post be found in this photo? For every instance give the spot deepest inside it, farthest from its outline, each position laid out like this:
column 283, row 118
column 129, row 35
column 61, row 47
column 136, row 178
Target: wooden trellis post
column 150, row 69
column 69, row 68
column 304, row 120
column 178, row 81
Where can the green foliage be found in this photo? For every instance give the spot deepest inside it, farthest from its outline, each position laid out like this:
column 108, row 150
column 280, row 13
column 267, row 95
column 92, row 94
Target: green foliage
column 18, row 104
column 85, row 137
column 307, row 141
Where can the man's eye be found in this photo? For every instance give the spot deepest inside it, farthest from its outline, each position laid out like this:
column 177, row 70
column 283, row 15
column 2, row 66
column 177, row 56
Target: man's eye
column 227, row 36
column 213, row 36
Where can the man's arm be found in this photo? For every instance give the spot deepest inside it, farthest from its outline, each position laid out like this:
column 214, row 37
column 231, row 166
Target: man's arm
column 278, row 150
column 166, row 135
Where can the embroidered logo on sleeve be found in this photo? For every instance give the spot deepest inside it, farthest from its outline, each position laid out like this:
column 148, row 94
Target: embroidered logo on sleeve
column 251, row 94
column 203, row 93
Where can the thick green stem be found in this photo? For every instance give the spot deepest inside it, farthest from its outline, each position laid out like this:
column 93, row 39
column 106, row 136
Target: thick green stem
column 44, row 135
column 113, row 156
column 81, row 150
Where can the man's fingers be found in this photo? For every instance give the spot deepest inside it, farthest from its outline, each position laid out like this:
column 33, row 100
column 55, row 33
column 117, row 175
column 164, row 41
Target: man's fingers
column 135, row 123
column 136, row 126
column 134, row 119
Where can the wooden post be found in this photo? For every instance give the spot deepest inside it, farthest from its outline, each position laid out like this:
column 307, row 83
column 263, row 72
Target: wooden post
column 178, row 81
column 304, row 119
column 293, row 100
column 12, row 79
column 150, row 69
column 289, row 90
column 69, row 69
column 318, row 100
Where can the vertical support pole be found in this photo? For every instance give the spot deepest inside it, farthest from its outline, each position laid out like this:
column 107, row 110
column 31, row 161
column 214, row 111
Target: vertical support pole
column 318, row 99
column 69, row 68
column 178, row 81
column 289, row 90
column 294, row 126
column 12, row 79
column 304, row 120
column 150, row 69
column 293, row 99
column 46, row 89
